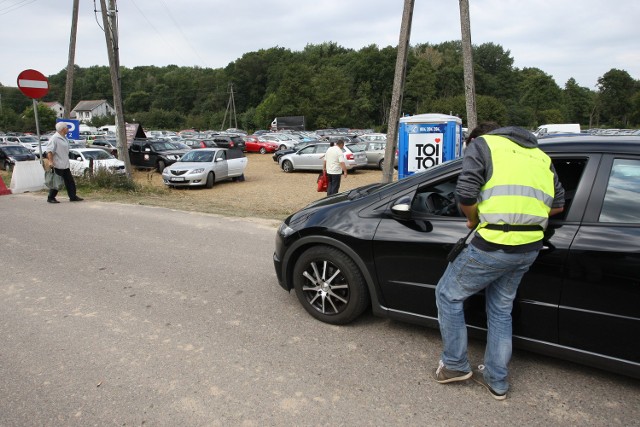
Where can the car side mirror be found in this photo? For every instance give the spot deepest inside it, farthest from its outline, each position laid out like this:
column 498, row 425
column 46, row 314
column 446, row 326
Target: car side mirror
column 402, row 208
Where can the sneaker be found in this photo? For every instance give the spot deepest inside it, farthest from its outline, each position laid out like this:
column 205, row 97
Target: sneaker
column 52, row 201
column 478, row 376
column 444, row 375
column 76, row 199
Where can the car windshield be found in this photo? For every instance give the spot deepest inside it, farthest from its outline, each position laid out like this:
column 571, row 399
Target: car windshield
column 198, row 156
column 28, row 139
column 15, row 150
column 164, row 146
column 97, row 155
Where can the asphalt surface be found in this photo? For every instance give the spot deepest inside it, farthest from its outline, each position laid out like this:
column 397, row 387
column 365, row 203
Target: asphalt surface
column 130, row 315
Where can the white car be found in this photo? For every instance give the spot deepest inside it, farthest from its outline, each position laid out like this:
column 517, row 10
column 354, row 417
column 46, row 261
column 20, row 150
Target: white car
column 82, row 159
column 283, row 141
column 204, row 167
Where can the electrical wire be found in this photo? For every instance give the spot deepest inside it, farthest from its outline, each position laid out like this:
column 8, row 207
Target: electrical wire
column 171, row 16
column 15, row 6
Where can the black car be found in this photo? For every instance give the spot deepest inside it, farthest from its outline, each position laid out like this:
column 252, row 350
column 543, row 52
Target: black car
column 152, row 153
column 229, row 141
column 10, row 154
column 385, row 246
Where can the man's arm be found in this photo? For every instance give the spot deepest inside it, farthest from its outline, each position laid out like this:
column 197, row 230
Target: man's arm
column 471, row 212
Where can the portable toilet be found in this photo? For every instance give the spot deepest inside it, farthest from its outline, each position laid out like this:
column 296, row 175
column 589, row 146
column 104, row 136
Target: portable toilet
column 426, row 140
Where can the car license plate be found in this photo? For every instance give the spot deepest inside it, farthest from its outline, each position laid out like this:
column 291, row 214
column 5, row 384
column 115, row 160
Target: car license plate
column 177, row 179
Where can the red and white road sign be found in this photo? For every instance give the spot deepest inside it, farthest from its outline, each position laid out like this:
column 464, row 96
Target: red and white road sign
column 33, row 84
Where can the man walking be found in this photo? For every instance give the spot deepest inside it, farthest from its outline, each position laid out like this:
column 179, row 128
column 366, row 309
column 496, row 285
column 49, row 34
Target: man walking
column 58, row 156
column 334, row 166
column 508, row 188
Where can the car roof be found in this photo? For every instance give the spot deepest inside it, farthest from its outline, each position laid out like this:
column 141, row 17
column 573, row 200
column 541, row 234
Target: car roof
column 591, row 144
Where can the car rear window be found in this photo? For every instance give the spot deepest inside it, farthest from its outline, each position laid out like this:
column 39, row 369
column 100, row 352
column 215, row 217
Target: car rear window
column 234, row 153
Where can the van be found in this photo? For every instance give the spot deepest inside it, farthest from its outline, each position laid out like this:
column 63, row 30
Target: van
column 557, row 128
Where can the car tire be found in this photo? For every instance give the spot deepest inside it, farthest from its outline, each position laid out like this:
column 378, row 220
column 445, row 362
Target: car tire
column 381, row 164
column 161, row 165
column 263, row 150
column 282, row 147
column 287, row 166
column 210, row 180
column 329, row 285
column 7, row 166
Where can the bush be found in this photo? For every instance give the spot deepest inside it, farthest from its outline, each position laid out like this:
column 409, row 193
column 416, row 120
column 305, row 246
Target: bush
column 103, row 179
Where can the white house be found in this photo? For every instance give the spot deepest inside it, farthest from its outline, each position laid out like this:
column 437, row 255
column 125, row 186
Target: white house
column 87, row 110
column 56, row 107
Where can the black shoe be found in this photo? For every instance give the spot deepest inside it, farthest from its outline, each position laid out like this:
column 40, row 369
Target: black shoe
column 52, row 201
column 76, row 199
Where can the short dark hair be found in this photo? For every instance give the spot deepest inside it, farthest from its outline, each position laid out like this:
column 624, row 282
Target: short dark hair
column 481, row 129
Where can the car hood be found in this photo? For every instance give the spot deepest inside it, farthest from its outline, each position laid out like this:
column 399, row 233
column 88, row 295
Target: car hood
column 188, row 165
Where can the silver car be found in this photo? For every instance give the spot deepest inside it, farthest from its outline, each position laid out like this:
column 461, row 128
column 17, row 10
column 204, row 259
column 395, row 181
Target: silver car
column 375, row 151
column 204, row 167
column 311, row 157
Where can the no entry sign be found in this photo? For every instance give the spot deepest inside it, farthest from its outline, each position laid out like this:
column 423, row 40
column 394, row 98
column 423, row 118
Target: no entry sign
column 33, row 84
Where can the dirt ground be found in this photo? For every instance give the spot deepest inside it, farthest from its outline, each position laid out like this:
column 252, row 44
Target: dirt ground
column 267, row 191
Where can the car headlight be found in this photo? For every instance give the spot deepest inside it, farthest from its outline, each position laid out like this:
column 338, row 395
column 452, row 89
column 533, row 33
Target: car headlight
column 199, row 170
column 285, row 231
column 12, row 159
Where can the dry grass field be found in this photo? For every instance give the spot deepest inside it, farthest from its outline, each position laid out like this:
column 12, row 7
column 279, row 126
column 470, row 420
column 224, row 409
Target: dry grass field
column 267, row 191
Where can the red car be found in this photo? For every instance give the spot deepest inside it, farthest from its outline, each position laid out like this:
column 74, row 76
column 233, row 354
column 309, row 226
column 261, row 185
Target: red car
column 255, row 145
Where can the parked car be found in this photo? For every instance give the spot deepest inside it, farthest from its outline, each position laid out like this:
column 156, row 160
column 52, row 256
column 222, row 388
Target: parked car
column 371, row 137
column 229, row 141
column 299, row 146
column 311, row 157
column 81, row 160
column 29, row 142
column 110, row 145
column 10, row 154
column 375, row 151
column 283, row 141
column 256, row 145
column 385, row 246
column 205, row 167
column 154, row 153
column 199, row 143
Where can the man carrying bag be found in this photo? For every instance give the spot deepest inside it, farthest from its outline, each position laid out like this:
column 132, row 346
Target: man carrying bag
column 58, row 157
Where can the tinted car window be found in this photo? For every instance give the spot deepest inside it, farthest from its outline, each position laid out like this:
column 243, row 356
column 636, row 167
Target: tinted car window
column 622, row 198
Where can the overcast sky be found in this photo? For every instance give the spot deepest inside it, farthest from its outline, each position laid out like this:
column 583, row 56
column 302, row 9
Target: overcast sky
column 565, row 38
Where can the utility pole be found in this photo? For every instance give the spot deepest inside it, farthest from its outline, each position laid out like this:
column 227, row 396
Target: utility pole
column 72, row 59
column 231, row 109
column 467, row 60
column 398, row 89
column 110, row 22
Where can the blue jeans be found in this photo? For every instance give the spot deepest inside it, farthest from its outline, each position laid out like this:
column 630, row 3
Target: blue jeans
column 333, row 183
column 499, row 274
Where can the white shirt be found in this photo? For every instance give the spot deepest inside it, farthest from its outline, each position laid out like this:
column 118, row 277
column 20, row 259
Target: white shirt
column 334, row 156
column 59, row 146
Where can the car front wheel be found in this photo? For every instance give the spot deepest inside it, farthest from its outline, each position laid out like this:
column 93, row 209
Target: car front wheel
column 263, row 150
column 7, row 166
column 329, row 285
column 161, row 165
column 381, row 164
column 287, row 166
column 210, row 180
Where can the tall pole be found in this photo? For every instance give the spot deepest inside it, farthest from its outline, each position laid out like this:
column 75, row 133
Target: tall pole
column 398, row 89
column 467, row 61
column 72, row 59
column 110, row 21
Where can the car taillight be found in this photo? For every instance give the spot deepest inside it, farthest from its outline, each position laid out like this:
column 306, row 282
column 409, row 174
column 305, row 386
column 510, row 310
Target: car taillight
column 202, row 145
column 231, row 144
column 350, row 156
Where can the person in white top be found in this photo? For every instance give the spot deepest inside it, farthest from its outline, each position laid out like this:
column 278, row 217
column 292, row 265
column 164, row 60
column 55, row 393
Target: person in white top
column 335, row 167
column 58, row 156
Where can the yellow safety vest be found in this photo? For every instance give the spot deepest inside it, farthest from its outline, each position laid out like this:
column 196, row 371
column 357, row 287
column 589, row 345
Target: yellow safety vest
column 519, row 192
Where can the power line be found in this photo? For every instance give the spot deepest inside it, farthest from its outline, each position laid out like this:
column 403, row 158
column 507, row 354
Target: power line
column 15, row 6
column 182, row 32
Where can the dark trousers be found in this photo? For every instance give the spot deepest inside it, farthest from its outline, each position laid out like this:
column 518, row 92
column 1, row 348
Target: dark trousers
column 69, row 184
column 333, row 183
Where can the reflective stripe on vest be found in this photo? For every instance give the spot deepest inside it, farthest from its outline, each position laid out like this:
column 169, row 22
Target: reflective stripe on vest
column 513, row 197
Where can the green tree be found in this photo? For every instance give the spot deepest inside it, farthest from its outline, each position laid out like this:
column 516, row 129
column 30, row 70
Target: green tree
column 138, row 101
column 578, row 101
column 616, row 90
column 46, row 118
column 420, row 86
column 540, row 93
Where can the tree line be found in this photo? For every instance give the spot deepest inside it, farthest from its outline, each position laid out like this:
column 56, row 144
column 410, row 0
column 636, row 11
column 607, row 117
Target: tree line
column 333, row 86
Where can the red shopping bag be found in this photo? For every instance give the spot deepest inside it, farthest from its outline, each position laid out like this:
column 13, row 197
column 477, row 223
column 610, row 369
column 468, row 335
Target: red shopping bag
column 322, row 182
